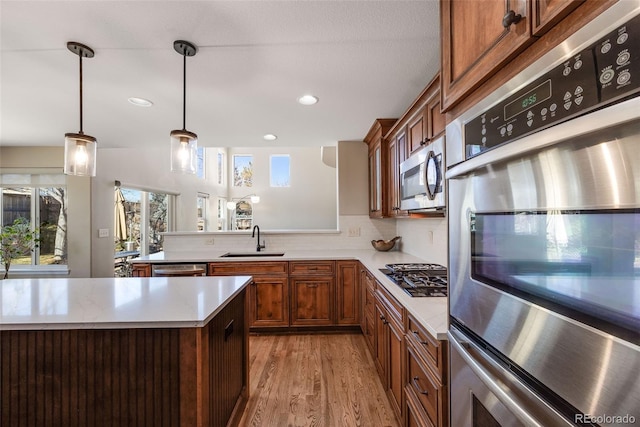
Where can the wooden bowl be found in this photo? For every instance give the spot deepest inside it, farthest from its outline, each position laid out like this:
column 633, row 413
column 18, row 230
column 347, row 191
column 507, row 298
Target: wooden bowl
column 384, row 245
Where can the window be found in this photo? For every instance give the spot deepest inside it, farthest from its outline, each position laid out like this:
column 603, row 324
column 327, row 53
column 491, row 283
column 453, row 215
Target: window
column 242, row 170
column 222, row 214
column 280, row 170
column 200, row 164
column 221, row 169
column 42, row 200
column 154, row 210
column 203, row 207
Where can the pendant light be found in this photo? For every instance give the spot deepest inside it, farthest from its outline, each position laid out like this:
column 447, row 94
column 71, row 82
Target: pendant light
column 184, row 144
column 80, row 149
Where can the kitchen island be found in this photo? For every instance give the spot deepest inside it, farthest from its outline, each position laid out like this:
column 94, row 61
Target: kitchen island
column 123, row 351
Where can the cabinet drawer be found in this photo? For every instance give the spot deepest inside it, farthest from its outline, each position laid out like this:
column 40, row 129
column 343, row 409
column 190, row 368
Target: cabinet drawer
column 369, row 331
column 243, row 268
column 306, row 268
column 421, row 384
column 394, row 308
column 429, row 347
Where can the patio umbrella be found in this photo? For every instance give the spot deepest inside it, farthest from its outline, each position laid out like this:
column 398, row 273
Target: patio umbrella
column 120, row 217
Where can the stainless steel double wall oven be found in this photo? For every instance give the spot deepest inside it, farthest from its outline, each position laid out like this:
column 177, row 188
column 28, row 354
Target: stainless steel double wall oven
column 544, row 217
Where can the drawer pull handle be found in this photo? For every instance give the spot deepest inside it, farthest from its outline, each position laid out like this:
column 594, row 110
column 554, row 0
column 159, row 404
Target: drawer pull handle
column 312, row 285
column 417, row 386
column 417, row 334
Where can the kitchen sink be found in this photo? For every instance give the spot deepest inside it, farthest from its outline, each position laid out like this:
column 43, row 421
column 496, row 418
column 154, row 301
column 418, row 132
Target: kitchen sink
column 250, row 254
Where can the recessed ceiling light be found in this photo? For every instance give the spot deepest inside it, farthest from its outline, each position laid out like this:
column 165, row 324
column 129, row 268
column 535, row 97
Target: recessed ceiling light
column 308, row 99
column 140, row 102
column 270, row 137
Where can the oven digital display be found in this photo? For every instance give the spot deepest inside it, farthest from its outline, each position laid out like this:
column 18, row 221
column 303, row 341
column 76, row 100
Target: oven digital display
column 540, row 93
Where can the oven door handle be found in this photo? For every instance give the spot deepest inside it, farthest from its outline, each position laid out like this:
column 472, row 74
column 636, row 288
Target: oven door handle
column 460, row 344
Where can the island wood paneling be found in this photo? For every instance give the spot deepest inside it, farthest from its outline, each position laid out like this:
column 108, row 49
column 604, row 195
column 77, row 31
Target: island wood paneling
column 117, row 377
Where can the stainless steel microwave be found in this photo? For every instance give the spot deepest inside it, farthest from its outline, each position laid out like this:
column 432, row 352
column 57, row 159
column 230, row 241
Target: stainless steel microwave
column 422, row 178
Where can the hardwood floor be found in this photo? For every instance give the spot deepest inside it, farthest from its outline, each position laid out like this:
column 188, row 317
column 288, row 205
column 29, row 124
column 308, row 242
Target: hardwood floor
column 326, row 380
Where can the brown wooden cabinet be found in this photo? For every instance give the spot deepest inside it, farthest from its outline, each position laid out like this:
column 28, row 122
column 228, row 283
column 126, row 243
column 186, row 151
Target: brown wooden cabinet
column 367, row 324
column 479, row 38
column 547, row 13
column 347, row 293
column 426, row 376
column 475, row 41
column 424, row 119
column 389, row 347
column 312, row 293
column 378, row 167
column 396, row 154
column 268, row 294
column 141, row 270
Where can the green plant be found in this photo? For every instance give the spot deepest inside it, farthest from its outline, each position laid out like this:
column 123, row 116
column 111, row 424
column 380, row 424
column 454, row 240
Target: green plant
column 16, row 240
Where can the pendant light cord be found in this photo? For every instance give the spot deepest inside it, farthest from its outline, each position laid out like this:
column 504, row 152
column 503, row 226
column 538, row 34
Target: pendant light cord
column 80, row 55
column 184, row 91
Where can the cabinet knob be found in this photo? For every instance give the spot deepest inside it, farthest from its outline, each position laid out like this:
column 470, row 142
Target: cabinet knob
column 395, row 208
column 511, row 18
column 425, row 141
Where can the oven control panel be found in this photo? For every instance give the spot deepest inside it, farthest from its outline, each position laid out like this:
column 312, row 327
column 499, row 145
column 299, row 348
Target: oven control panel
column 607, row 71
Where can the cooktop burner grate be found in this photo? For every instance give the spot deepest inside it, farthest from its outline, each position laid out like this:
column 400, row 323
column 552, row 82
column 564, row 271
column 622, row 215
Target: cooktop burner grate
column 419, row 280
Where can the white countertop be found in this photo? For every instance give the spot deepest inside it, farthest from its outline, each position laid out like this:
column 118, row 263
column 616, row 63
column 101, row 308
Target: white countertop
column 432, row 313
column 156, row 302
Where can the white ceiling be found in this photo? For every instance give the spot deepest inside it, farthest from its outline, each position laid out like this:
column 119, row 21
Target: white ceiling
column 363, row 59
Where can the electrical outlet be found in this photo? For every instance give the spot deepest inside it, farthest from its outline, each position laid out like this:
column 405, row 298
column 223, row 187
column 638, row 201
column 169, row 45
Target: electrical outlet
column 103, row 232
column 354, row 231
column 209, row 241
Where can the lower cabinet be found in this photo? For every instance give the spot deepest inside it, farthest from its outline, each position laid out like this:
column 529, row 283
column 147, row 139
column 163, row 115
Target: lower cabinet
column 268, row 301
column 312, row 301
column 306, row 294
column 411, row 363
column 390, row 348
column 426, row 381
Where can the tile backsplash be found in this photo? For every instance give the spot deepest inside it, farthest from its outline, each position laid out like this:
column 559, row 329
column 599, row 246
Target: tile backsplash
column 425, row 238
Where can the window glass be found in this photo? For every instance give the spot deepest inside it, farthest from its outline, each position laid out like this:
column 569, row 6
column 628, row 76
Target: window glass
column 280, row 170
column 203, row 205
column 200, row 163
column 242, row 170
column 41, row 199
column 220, row 168
column 158, row 220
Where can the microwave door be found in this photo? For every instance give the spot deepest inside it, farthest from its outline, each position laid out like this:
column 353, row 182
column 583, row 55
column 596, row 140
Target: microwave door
column 413, row 188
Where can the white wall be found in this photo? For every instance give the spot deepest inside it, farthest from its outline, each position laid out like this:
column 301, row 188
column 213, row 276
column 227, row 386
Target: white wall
column 426, row 238
column 309, row 203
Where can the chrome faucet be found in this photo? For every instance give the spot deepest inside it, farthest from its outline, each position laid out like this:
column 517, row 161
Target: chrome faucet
column 258, row 246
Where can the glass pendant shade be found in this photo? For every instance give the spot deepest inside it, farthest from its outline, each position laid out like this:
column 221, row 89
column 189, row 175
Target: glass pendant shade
column 184, row 151
column 79, row 154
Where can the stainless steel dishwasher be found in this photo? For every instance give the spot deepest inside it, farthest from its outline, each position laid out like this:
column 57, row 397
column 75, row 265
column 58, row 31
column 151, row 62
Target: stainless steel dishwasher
column 178, row 270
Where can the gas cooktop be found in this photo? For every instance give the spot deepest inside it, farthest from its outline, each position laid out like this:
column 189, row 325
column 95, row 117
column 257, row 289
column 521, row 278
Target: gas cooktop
column 419, row 280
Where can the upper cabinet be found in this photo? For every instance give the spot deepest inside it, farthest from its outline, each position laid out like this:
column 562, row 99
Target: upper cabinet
column 391, row 141
column 479, row 37
column 378, row 167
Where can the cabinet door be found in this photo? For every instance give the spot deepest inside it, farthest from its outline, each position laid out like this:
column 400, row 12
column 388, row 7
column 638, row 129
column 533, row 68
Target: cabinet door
column 141, row 270
column 437, row 120
column 475, row 42
column 348, row 293
column 381, row 342
column 312, row 301
column 268, row 301
column 547, row 13
column 375, row 181
column 395, row 156
column 395, row 374
column 417, row 130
